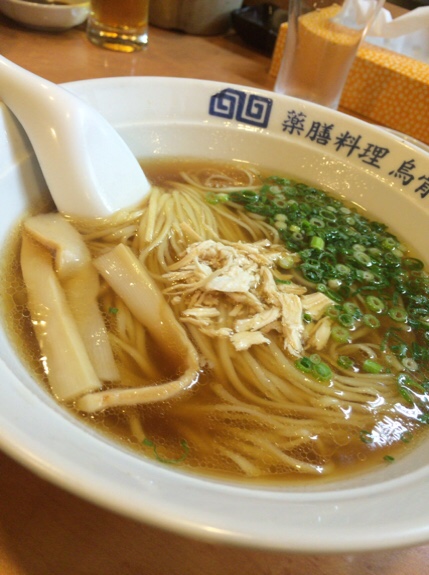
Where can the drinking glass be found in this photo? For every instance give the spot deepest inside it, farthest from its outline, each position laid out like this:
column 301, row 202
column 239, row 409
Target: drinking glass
column 323, row 37
column 120, row 25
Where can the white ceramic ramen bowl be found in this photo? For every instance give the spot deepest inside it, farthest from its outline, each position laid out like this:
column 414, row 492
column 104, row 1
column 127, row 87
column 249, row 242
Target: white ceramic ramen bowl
column 162, row 117
column 51, row 17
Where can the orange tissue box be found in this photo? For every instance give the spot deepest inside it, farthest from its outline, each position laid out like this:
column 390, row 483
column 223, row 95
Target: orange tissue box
column 384, row 87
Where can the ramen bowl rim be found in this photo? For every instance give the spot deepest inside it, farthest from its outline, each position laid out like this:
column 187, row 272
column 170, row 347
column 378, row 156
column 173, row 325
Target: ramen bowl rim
column 202, row 520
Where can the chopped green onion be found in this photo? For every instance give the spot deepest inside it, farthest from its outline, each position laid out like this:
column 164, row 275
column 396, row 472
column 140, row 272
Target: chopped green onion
column 398, row 314
column 342, row 269
column 317, row 243
column 352, row 309
column 346, row 320
column 410, row 363
column 286, row 262
column 322, row 370
column 333, row 311
column 345, row 361
column 340, row 334
column 335, row 284
column 412, row 263
column 329, row 293
column 280, row 225
column 184, row 445
column 298, row 236
column 406, row 395
column 311, row 273
column 250, row 195
column 407, row 437
column 406, row 380
column 363, row 258
column 371, row 321
column 389, row 243
column 375, row 252
column 317, row 222
column 371, row 366
column 374, row 303
column 216, row 198
column 304, row 364
column 279, row 202
column 366, row 436
column 314, row 365
column 345, row 255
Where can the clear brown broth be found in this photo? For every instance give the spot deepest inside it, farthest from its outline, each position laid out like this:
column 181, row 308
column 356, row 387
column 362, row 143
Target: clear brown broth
column 161, row 419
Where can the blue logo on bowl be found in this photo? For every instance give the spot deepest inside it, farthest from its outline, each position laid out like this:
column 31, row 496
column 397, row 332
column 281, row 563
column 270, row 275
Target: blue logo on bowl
column 235, row 104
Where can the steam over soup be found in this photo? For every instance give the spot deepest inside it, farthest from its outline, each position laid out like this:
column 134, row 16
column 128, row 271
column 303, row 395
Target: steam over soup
column 236, row 325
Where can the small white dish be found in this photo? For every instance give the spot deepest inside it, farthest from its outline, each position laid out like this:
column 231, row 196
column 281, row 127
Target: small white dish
column 52, row 17
column 164, row 118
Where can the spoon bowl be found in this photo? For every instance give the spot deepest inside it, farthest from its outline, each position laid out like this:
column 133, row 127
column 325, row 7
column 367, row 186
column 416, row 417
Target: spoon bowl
column 88, row 168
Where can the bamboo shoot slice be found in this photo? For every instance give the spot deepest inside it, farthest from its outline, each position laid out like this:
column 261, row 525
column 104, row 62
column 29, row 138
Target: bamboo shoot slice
column 133, row 284
column 67, row 365
column 57, row 234
column 80, row 282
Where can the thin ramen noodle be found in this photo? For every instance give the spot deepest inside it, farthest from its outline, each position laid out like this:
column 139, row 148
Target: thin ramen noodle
column 244, row 326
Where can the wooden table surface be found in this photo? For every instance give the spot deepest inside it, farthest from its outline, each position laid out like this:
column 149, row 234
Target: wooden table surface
column 47, row 531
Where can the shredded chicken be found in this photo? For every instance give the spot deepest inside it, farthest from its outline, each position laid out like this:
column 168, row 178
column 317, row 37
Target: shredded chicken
column 319, row 334
column 315, row 304
column 230, row 290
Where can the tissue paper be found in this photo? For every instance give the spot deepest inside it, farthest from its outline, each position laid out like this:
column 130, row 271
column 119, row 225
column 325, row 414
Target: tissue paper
column 408, row 34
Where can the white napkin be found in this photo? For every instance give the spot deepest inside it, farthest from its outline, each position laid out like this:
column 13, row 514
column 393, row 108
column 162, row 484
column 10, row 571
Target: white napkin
column 407, row 34
column 358, row 14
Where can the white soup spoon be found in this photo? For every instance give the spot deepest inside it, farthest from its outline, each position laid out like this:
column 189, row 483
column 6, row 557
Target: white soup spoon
column 88, row 168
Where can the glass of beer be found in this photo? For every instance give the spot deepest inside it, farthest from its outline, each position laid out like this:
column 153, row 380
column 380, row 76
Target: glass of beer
column 120, row 25
column 323, row 37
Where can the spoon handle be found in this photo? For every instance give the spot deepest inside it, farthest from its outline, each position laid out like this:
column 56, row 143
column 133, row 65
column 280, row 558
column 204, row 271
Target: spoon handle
column 89, row 170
